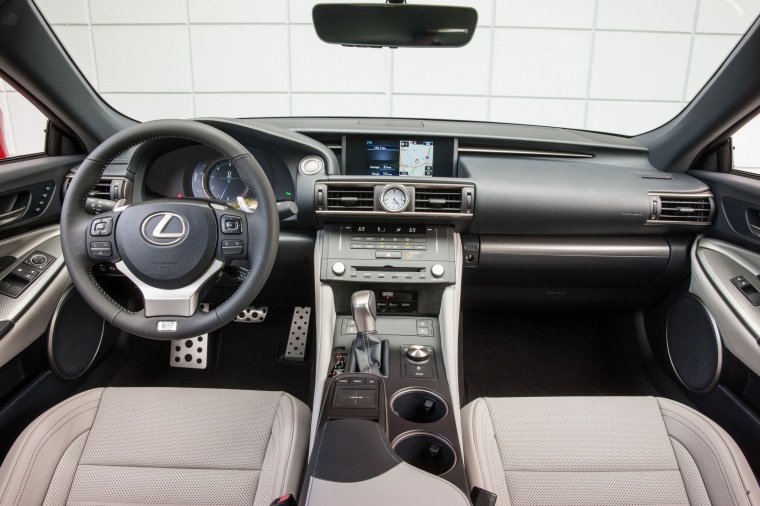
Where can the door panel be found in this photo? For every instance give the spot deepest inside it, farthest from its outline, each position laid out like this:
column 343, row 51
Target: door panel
column 30, row 192
column 30, row 206
column 714, row 265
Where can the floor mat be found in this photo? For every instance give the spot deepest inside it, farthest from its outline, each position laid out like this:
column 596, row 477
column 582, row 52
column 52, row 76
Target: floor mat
column 519, row 354
column 242, row 356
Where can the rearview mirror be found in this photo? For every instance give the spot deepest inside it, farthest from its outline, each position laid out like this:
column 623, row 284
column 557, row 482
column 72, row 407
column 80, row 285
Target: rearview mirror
column 394, row 25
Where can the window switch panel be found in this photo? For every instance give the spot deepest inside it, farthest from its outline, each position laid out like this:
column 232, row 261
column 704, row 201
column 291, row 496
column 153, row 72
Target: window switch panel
column 747, row 289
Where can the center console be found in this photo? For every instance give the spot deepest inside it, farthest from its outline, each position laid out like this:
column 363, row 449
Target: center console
column 387, row 337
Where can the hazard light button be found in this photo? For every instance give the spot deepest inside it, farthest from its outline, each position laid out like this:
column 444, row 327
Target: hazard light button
column 387, row 254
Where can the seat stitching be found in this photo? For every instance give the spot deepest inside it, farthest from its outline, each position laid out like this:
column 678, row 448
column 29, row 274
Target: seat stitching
column 39, row 446
column 59, row 463
column 447, row 483
column 308, row 492
column 681, row 470
column 382, row 439
column 705, row 440
column 287, row 447
column 316, row 458
column 31, row 434
column 477, row 449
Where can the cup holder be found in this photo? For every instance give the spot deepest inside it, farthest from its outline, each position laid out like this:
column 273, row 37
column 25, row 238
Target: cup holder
column 419, row 406
column 425, row 451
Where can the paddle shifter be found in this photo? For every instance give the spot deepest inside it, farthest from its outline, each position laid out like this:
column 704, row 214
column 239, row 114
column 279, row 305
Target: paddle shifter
column 369, row 353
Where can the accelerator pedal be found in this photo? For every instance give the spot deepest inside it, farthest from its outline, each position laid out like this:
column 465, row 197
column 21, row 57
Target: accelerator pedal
column 299, row 331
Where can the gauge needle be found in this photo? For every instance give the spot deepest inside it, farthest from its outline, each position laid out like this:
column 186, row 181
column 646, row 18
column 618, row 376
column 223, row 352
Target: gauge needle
column 396, row 201
column 225, row 191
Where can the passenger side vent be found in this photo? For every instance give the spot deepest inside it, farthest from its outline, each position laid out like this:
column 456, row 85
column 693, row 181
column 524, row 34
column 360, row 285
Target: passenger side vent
column 439, row 200
column 684, row 209
column 350, row 198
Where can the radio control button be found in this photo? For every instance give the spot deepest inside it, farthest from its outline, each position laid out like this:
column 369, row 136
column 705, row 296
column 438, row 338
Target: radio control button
column 339, row 268
column 437, row 270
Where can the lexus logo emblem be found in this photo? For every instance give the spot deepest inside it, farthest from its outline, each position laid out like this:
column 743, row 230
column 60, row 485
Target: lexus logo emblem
column 164, row 229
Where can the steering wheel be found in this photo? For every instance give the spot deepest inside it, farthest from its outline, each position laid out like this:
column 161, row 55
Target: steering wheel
column 170, row 248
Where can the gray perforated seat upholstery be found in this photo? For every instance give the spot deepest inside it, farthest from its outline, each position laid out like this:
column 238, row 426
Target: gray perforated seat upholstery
column 602, row 451
column 152, row 446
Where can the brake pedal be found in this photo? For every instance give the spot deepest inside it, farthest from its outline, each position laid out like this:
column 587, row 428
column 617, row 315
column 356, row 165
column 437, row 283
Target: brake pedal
column 299, row 331
column 191, row 353
column 252, row 315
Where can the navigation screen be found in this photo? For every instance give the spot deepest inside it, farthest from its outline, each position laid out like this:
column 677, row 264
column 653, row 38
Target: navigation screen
column 400, row 158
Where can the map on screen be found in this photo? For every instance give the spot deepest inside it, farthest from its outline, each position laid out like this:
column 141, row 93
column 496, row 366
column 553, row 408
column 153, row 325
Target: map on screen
column 416, row 158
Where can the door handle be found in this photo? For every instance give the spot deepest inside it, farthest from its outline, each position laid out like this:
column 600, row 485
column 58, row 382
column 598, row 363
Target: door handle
column 12, row 216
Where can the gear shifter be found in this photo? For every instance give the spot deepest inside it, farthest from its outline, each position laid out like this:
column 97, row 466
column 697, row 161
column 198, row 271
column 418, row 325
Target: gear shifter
column 369, row 353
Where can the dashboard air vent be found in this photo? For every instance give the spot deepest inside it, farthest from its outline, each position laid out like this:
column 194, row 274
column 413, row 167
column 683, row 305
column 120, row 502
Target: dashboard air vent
column 102, row 190
column 350, row 198
column 686, row 209
column 439, row 200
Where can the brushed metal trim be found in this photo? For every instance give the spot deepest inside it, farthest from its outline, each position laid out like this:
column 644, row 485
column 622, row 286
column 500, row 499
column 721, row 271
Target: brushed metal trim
column 307, row 159
column 521, row 152
column 411, row 390
column 719, row 342
column 364, row 182
column 53, row 321
column 407, row 214
column 411, row 433
column 679, row 223
column 613, row 246
column 397, row 187
column 179, row 302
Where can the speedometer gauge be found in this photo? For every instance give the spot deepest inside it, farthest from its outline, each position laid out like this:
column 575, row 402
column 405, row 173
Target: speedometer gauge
column 224, row 183
column 394, row 198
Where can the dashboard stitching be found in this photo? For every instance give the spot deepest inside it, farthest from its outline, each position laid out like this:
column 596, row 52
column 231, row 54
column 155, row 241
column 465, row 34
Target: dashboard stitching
column 329, row 155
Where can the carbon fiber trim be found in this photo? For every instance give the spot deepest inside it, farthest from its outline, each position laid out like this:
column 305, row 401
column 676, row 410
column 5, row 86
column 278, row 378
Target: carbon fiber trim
column 12, row 309
column 615, row 246
column 720, row 269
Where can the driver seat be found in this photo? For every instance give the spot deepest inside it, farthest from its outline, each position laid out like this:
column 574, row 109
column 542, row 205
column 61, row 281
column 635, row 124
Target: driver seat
column 160, row 446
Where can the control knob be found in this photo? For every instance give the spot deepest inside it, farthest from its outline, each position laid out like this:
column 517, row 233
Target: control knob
column 418, row 353
column 339, row 268
column 437, row 270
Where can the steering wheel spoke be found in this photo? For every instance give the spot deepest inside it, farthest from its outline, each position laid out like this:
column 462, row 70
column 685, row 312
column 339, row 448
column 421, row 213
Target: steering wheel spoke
column 181, row 301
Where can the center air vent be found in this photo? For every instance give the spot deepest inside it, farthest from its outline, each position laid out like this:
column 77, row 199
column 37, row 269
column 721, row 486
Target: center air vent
column 684, row 209
column 429, row 200
column 348, row 198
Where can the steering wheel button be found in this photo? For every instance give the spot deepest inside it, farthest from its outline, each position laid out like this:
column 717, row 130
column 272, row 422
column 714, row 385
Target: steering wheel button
column 232, row 225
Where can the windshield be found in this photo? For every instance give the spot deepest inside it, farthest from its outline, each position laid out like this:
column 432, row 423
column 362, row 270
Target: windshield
column 618, row 66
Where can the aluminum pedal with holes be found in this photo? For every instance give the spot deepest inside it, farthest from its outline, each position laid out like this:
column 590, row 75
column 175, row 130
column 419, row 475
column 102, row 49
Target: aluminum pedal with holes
column 252, row 315
column 299, row 330
column 191, row 353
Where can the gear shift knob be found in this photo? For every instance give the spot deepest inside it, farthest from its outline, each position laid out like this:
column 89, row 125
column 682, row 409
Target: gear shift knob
column 363, row 309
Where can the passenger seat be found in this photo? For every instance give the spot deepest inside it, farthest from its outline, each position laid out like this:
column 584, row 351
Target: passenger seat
column 565, row 451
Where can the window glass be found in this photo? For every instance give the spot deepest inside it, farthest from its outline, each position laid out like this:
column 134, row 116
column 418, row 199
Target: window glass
column 22, row 129
column 618, row 66
column 747, row 147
